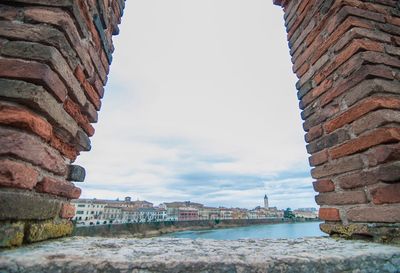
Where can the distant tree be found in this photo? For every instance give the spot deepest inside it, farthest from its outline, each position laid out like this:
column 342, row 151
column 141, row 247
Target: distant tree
column 288, row 213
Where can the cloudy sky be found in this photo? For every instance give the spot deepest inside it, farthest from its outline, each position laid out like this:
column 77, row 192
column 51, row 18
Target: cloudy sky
column 201, row 106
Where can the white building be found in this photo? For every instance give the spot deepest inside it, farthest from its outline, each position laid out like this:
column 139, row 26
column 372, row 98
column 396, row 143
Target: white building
column 88, row 211
column 309, row 213
column 112, row 214
column 225, row 213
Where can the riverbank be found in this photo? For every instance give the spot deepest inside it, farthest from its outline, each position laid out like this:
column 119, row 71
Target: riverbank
column 144, row 230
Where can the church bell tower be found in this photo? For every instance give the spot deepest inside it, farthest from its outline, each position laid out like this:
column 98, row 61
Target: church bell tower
column 265, row 201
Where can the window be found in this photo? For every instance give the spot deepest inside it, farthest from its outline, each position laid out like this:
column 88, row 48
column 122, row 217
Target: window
column 81, row 206
column 79, row 212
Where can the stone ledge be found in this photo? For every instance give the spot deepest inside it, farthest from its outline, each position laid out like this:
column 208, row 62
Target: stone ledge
column 93, row 254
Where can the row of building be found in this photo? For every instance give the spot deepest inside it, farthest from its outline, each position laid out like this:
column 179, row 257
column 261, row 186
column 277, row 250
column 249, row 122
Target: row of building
column 101, row 212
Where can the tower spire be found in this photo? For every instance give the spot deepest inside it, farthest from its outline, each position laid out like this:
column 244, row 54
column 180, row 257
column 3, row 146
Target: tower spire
column 265, row 201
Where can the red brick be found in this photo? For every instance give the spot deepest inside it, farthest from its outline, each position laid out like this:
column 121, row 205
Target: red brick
column 386, row 194
column 320, row 45
column 329, row 214
column 313, row 133
column 90, row 112
column 375, row 119
column 339, row 166
column 21, row 118
column 358, row 179
column 302, row 12
column 327, row 141
column 92, row 95
column 341, row 198
column 341, row 86
column 67, row 211
column 376, row 214
column 376, row 8
column 318, row 158
column 98, row 64
column 382, row 154
column 50, row 56
column 320, row 116
column 58, row 187
column 317, row 91
column 31, row 149
column 368, row 88
column 64, row 22
column 36, row 72
column 354, row 47
column 361, row 109
column 80, row 75
column 75, row 112
column 373, row 138
column 98, row 86
column 65, row 149
column 323, row 186
column 389, row 172
column 17, row 175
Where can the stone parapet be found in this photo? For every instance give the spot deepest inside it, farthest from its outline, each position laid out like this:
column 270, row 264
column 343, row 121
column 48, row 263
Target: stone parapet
column 346, row 55
column 83, row 254
column 54, row 60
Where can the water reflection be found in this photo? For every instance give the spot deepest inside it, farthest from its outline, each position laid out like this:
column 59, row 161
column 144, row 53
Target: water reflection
column 275, row 231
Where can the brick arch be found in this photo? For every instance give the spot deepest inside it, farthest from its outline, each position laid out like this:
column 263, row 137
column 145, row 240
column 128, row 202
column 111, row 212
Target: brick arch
column 54, row 60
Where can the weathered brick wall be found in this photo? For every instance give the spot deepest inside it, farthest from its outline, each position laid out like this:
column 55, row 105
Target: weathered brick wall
column 346, row 54
column 54, row 60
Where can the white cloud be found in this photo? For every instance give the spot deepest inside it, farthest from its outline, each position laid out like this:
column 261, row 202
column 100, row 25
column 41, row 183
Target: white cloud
column 197, row 86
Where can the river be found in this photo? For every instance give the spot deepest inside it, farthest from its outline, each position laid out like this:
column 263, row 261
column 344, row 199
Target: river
column 271, row 231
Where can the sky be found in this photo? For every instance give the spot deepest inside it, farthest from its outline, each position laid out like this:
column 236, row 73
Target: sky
column 200, row 105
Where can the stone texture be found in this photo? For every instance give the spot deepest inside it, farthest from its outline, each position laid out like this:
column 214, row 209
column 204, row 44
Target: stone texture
column 341, row 198
column 67, row 211
column 36, row 97
column 383, row 233
column 323, row 186
column 50, row 56
column 357, row 179
column 82, row 141
column 386, row 194
column 76, row 173
column 17, row 175
column 58, row 187
column 40, row 231
column 36, row 72
column 74, row 111
column 185, row 255
column 27, row 205
column 32, row 149
column 12, row 115
column 361, row 109
column 383, row 154
column 11, row 233
column 381, row 214
column 40, row 33
column 374, row 120
column 339, row 166
column 373, row 138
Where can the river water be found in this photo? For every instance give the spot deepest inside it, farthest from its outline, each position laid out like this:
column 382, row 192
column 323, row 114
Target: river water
column 271, row 231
